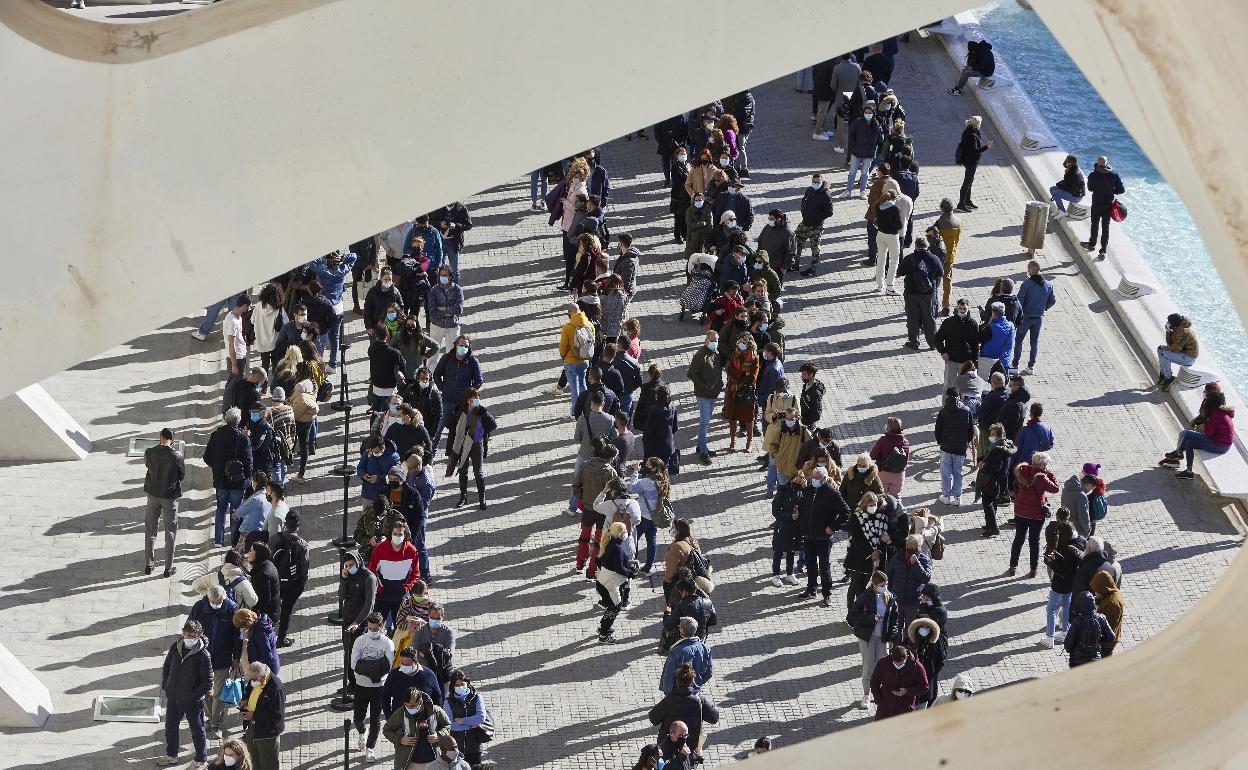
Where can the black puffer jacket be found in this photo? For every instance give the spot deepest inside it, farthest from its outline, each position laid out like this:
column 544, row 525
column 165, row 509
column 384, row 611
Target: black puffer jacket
column 959, row 338
column 861, row 615
column 266, row 582
column 1014, row 413
column 186, row 676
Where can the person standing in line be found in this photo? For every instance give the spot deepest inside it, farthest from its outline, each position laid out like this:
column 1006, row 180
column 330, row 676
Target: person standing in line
column 844, row 79
column 908, row 180
column 875, row 620
column 816, row 208
column 957, row 341
column 1089, row 631
column 371, row 656
column 707, row 374
column 821, row 97
column 993, row 468
column 949, row 227
column 821, row 511
column 955, row 430
column 864, row 140
column 1036, row 297
column 811, row 395
column 235, row 347
column 214, row 612
column 228, row 454
column 264, row 714
column 452, row 222
column 1035, row 482
column 445, row 305
column 455, row 374
column 1181, row 348
column 1062, row 562
column 185, row 679
column 890, row 221
column 1104, row 184
column 290, row 556
column 576, row 347
column 920, row 271
column 897, row 682
column 968, row 153
column 163, row 485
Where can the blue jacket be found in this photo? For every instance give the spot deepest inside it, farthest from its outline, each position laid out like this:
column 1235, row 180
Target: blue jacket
column 453, row 378
column 599, row 184
column 1036, row 296
column 908, row 181
column 332, row 278
column 262, row 647
column 905, row 580
column 771, row 372
column 252, row 513
column 735, row 201
column 729, row 270
column 689, row 650
column 1001, row 342
column 1032, row 437
column 433, row 245
column 218, row 630
column 450, row 297
column 376, row 466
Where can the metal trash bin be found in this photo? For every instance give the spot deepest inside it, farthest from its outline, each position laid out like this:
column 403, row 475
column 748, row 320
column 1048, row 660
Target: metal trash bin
column 1035, row 225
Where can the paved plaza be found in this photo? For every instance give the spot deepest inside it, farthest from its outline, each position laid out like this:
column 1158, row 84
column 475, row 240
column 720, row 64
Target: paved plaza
column 76, row 609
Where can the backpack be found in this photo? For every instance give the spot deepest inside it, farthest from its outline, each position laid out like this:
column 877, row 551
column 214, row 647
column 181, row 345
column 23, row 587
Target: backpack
column 957, row 154
column 234, row 472
column 283, row 557
column 440, row 662
column 663, row 516
column 284, row 435
column 894, row 461
column 583, row 341
column 230, row 586
column 1089, row 641
column 921, row 279
column 888, row 220
column 1098, row 507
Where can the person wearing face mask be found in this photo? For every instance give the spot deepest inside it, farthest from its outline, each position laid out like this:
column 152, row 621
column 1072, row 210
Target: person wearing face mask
column 254, row 642
column 761, row 269
column 897, row 682
column 454, row 375
column 409, row 673
column 786, row 538
column 738, row 203
column 928, row 645
column 251, row 515
column 961, row 688
column 415, row 346
column 395, row 562
column 957, row 341
column 920, row 271
column 740, row 400
column 821, row 512
column 290, row 556
column 379, row 298
column 816, row 208
column 452, row 221
column 863, row 477
column 264, row 707
column 415, row 728
column 1104, row 184
column 721, row 242
column 234, row 756
column 444, row 306
column 891, row 453
column 702, row 172
column 707, row 374
column 864, row 138
column 469, row 443
column 1036, row 297
column 425, row 398
column 991, row 476
column 869, row 539
column 777, row 248
column 955, row 430
column 676, row 169
column 213, row 613
column 371, row 655
column 185, row 679
column 908, row 571
column 357, row 592
column 783, row 441
column 263, row 576
column 873, row 615
column 452, row 758
column 467, row 711
column 385, row 369
column 407, row 431
column 670, row 137
column 326, row 291
column 697, row 223
column 436, row 642
column 378, row 456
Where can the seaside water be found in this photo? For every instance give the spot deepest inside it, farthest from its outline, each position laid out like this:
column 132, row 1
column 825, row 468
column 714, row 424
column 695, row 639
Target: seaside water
column 1159, row 224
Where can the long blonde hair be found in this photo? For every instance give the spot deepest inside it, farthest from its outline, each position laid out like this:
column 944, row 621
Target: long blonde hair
column 616, row 529
column 290, row 361
column 579, row 167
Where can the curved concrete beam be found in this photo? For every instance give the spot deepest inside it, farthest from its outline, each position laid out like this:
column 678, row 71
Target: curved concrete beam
column 185, row 172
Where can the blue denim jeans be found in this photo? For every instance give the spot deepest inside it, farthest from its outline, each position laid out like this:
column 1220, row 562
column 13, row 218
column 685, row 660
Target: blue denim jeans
column 447, row 408
column 805, row 79
column 534, row 178
column 418, row 540
column 650, row 532
column 1060, row 196
column 626, row 403
column 1030, row 325
column 1166, row 356
column 1058, row 607
column 857, row 165
column 774, row 477
column 451, row 253
column 1191, row 440
column 706, row 407
column 193, row 713
column 278, row 471
column 211, row 313
column 227, row 500
column 951, row 474
column 576, row 382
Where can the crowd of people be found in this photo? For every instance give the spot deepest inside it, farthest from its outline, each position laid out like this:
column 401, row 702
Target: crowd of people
column 425, row 384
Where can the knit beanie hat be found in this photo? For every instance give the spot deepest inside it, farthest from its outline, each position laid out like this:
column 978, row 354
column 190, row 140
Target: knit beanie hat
column 1091, row 469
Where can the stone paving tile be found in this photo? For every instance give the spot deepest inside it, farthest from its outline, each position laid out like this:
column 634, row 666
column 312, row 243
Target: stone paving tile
column 784, row 667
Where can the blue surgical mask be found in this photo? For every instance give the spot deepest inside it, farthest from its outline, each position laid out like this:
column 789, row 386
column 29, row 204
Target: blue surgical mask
column 992, row 439
column 758, row 265
column 407, row 669
column 391, row 316
column 762, row 327
column 444, row 279
column 682, row 158
column 435, row 623
column 255, row 417
column 462, row 350
column 712, row 346
column 742, row 346
column 723, row 162
column 816, row 185
column 411, row 711
column 394, row 409
column 697, row 204
column 790, row 423
column 476, row 402
column 190, row 643
column 771, row 223
column 352, row 570
column 816, row 483
column 461, row 690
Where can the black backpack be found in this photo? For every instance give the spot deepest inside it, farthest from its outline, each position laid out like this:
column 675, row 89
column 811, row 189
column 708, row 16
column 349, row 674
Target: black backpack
column 888, row 220
column 234, row 472
column 921, row 279
column 440, row 662
column 1088, row 644
column 894, row 461
column 284, row 557
column 230, row 586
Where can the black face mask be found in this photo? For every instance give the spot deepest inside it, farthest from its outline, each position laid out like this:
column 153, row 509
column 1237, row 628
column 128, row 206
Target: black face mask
column 394, row 484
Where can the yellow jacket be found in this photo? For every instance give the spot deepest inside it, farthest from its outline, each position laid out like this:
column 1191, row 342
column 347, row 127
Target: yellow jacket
column 567, row 341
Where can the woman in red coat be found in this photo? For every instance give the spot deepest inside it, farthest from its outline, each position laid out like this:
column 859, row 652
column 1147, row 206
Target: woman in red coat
column 1035, row 482
column 740, row 400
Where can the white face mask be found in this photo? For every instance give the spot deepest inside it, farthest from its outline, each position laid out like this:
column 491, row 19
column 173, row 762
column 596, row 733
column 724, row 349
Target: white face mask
column 374, row 634
column 396, row 541
column 407, row 669
column 228, row 760
column 215, row 606
column 872, row 508
column 682, row 158
column 452, row 755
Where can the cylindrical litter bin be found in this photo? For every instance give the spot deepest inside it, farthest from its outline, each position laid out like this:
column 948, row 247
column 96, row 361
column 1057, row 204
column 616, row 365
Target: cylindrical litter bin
column 1035, row 224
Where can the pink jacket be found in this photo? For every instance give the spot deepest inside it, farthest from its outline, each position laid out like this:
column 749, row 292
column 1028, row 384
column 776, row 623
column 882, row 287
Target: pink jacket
column 1221, row 426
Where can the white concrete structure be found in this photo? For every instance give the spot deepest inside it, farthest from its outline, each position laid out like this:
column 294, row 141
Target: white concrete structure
column 24, row 701
column 37, row 428
column 115, row 206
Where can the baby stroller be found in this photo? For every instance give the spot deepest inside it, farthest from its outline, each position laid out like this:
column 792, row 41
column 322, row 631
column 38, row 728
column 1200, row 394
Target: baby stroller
column 700, row 290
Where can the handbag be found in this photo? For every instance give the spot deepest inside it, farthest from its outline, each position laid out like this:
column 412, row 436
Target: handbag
column 484, row 732
column 663, row 516
column 232, row 688
column 373, row 668
column 1117, row 211
column 745, row 393
column 324, row 392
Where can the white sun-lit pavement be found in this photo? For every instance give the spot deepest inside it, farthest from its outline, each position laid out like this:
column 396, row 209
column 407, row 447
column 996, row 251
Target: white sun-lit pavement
column 75, row 608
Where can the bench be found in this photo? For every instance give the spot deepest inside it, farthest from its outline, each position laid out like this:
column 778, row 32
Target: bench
column 1225, row 472
column 1192, row 377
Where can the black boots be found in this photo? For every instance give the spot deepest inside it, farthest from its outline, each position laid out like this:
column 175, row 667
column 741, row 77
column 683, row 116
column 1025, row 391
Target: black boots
column 481, row 494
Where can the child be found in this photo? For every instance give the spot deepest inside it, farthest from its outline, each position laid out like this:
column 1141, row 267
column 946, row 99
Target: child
column 632, row 331
column 1094, row 488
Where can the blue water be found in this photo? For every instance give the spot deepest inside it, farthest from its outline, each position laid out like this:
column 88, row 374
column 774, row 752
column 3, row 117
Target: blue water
column 1159, row 224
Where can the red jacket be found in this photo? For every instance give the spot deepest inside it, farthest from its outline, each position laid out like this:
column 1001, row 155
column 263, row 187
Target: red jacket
column 885, row 678
column 397, row 570
column 723, row 309
column 1034, row 488
column 1220, row 426
column 884, row 447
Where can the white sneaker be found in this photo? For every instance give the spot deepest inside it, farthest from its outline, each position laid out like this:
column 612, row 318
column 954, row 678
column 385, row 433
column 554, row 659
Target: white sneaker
column 1025, row 372
column 943, row 500
column 847, row 194
column 198, row 336
column 790, row 579
column 955, row 501
column 838, row 149
column 1045, row 643
column 820, row 137
column 775, row 581
column 369, row 756
column 861, row 704
column 361, row 741
column 1059, row 638
column 553, row 390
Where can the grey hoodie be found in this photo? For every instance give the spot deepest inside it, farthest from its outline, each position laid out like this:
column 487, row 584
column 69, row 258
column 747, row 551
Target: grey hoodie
column 1075, row 501
column 358, row 592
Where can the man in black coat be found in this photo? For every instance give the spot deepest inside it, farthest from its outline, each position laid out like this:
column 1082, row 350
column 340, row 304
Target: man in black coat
column 265, row 452
column 264, row 725
column 383, row 294
column 453, row 221
column 957, row 341
column 690, row 605
column 743, row 111
column 821, row 96
column 163, row 485
column 1104, row 183
column 821, row 512
column 686, row 709
column 1091, row 563
column 811, row 395
column 921, row 273
column 228, row 454
column 290, row 554
column 816, row 207
column 1014, row 413
column 265, row 581
column 185, row 679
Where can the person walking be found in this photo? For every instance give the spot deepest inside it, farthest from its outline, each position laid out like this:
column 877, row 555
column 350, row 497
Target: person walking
column 228, row 454
column 1035, row 482
column 235, row 347
column 615, row 566
column 969, row 151
column 816, row 208
column 1104, row 184
column 185, row 678
column 1036, row 297
column 955, row 430
column 920, row 271
column 576, row 346
column 163, row 486
column 707, row 374
column 1181, row 348
column 949, row 227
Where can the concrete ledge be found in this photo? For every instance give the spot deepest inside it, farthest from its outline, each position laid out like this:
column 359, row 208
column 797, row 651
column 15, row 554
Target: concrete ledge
column 24, row 701
column 1124, row 277
column 36, row 428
